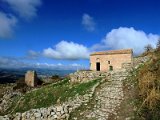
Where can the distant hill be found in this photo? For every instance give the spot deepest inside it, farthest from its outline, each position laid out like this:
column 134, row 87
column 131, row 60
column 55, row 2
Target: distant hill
column 11, row 75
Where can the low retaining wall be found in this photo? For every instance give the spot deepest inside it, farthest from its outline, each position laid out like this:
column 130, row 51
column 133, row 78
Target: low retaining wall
column 127, row 66
column 140, row 60
column 85, row 76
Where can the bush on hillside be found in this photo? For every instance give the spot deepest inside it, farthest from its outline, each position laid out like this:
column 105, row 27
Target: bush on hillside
column 148, row 48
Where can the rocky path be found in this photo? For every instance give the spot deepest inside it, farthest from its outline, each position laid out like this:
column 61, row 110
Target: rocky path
column 107, row 99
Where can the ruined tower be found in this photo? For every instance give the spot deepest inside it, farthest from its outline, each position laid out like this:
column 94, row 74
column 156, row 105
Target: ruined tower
column 31, row 78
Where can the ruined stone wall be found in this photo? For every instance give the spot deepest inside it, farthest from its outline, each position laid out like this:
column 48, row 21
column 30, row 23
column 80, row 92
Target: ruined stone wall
column 85, row 76
column 140, row 60
column 116, row 60
column 31, row 78
column 127, row 66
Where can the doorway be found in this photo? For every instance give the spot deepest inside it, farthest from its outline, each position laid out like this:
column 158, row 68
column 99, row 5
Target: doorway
column 110, row 68
column 98, row 66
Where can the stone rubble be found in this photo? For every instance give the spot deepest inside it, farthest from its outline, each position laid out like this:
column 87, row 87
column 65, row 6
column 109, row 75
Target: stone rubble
column 6, row 100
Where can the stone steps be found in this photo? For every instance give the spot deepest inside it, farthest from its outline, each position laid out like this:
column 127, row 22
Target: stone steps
column 110, row 96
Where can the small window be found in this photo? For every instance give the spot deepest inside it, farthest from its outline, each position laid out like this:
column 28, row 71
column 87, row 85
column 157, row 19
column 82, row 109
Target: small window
column 97, row 58
column 109, row 62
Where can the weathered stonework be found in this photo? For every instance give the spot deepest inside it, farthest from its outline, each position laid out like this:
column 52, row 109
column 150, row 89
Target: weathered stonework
column 140, row 60
column 111, row 60
column 31, row 78
column 85, row 76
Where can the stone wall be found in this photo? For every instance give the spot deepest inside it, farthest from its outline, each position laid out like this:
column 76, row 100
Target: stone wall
column 31, row 78
column 127, row 66
column 140, row 60
column 85, row 76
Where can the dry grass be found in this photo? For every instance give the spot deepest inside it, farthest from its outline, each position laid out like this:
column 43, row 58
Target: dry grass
column 149, row 87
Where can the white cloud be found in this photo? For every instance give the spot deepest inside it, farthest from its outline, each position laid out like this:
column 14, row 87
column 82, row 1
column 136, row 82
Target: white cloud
column 124, row 37
column 88, row 22
column 25, row 8
column 67, row 50
column 7, row 24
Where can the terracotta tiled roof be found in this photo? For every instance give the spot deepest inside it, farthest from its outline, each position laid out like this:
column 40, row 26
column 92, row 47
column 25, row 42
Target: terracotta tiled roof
column 109, row 52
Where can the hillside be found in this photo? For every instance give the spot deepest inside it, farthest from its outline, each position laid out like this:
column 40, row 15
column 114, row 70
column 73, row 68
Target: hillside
column 115, row 95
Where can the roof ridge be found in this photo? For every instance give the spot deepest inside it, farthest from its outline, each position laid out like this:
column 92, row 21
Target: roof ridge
column 120, row 51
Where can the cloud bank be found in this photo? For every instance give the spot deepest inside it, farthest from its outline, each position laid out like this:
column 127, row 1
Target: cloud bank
column 124, row 37
column 120, row 38
column 7, row 24
column 67, row 51
column 11, row 62
column 88, row 22
column 24, row 8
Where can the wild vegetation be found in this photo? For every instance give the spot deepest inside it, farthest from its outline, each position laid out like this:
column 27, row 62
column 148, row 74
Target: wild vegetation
column 146, row 81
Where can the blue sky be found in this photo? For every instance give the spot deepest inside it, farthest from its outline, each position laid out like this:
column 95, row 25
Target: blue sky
column 62, row 33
